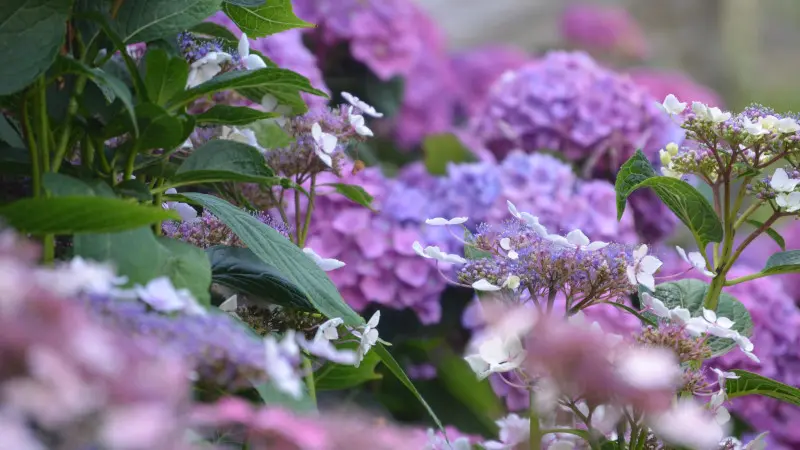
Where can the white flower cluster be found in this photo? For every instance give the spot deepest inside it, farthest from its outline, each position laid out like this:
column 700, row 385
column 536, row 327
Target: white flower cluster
column 786, row 196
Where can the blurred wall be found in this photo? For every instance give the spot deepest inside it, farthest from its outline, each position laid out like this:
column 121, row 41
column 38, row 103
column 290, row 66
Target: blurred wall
column 749, row 50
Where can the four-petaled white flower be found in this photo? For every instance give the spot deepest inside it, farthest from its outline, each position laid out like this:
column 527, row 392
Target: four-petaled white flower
column 505, row 244
column 206, row 68
column 442, row 221
column 368, row 337
column 755, row 129
column 326, row 264
column 484, row 285
column 789, row 202
column 576, row 239
column 672, row 106
column 530, row 220
column 643, row 268
column 328, row 330
column 781, row 182
column 496, row 355
column 721, row 414
column 281, row 366
column 696, row 260
column 251, row 62
column 325, row 144
column 787, row 125
column 514, row 430
column 324, row 349
column 162, row 296
column 723, row 376
column 655, row 305
column 713, row 114
column 358, row 123
column 512, row 282
column 362, row 106
column 186, row 211
column 243, row 135
column 434, row 252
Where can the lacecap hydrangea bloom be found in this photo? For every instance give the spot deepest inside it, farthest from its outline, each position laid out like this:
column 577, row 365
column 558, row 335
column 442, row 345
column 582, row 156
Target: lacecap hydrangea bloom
column 384, row 35
column 376, row 246
column 608, row 30
column 568, row 103
column 287, row 51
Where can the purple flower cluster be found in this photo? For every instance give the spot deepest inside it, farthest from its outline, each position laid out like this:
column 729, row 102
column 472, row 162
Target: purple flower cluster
column 207, row 230
column 660, row 83
column 67, row 381
column 193, row 49
column 221, row 350
column 384, row 35
column 287, row 51
column 566, row 102
column 603, row 29
column 377, row 246
column 478, row 69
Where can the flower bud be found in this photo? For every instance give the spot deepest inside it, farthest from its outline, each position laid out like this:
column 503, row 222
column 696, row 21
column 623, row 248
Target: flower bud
column 672, row 148
column 665, row 157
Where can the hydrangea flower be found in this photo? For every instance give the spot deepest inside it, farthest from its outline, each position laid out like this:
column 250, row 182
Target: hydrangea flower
column 478, row 69
column 376, row 247
column 207, row 230
column 566, row 102
column 660, row 83
column 610, row 30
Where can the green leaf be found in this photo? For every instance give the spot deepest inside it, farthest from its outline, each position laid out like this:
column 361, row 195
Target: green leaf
column 165, row 77
column 750, row 383
column 397, row 371
column 62, row 185
column 385, row 96
column 134, row 189
column 113, row 88
column 634, row 171
column 213, row 30
column 334, row 376
column 78, row 214
column 188, row 267
column 9, row 132
column 284, row 84
column 239, row 269
column 148, row 20
column 223, row 160
column 141, row 256
column 771, row 233
column 272, row 248
column 689, row 205
column 232, row 115
column 31, row 33
column 273, row 396
column 690, row 294
column 249, row 3
column 472, row 252
column 355, row 194
column 272, row 17
column 441, row 149
column 783, row 262
column 159, row 129
column 270, row 135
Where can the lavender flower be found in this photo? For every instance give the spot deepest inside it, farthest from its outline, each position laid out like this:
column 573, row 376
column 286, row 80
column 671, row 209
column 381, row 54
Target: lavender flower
column 568, row 103
column 603, row 29
column 207, row 230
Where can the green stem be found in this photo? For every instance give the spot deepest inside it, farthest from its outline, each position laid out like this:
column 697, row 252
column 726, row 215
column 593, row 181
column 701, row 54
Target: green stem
column 49, row 249
column 747, row 213
column 33, row 149
column 72, row 108
column 44, row 128
column 309, row 378
column 310, row 209
column 535, row 430
column 752, row 276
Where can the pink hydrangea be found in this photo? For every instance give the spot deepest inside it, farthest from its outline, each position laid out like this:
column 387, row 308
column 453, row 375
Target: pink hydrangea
column 478, row 69
column 603, row 29
column 377, row 246
column 660, row 83
column 285, row 49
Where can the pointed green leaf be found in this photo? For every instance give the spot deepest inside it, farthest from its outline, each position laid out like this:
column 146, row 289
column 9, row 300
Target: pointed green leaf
column 771, row 233
column 165, row 77
column 31, row 33
column 355, row 194
column 334, row 376
column 148, row 20
column 223, row 160
column 232, row 115
column 783, row 262
column 750, row 383
column 213, row 30
column 272, row 17
column 634, row 171
column 442, row 149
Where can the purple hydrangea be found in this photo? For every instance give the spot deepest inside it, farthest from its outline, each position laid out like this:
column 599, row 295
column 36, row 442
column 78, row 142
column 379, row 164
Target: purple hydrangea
column 479, row 68
column 566, row 102
column 377, row 246
column 207, row 230
column 604, row 29
column 384, row 35
column 285, row 49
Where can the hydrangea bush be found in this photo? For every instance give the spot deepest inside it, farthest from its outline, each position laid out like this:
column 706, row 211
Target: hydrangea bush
column 191, row 235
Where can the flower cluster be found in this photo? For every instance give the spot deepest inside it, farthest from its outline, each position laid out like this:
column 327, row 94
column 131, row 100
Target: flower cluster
column 207, row 58
column 207, row 230
column 660, row 83
column 67, row 381
column 566, row 102
column 603, row 29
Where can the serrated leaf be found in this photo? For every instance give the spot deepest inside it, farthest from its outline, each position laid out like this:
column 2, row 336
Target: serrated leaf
column 223, row 160
column 689, row 294
column 232, row 115
column 148, row 20
column 635, row 170
column 783, row 262
column 355, row 194
column 31, row 33
column 80, row 214
column 750, row 383
column 271, row 17
column 239, row 269
column 771, row 233
column 442, row 149
column 165, row 77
